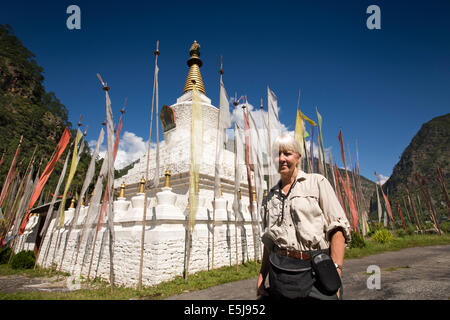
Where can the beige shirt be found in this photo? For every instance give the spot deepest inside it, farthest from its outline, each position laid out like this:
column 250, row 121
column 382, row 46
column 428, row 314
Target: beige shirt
column 311, row 212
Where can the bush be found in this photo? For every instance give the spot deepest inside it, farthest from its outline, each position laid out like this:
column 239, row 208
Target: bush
column 400, row 233
column 5, row 253
column 410, row 229
column 23, row 260
column 357, row 240
column 428, row 225
column 445, row 226
column 383, row 236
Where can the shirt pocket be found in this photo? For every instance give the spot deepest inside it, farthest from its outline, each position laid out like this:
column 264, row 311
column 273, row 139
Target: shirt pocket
column 274, row 212
column 308, row 218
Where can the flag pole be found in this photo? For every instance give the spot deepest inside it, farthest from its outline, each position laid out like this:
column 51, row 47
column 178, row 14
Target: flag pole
column 73, row 166
column 301, row 133
column 75, row 216
column 249, row 175
column 10, row 173
column 444, row 189
column 217, row 176
column 236, row 198
column 141, row 261
column 83, row 229
column 21, row 187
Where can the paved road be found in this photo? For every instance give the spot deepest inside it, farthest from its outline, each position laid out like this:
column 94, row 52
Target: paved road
column 421, row 273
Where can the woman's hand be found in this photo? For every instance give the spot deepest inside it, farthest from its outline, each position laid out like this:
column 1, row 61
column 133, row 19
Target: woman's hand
column 261, row 288
column 339, row 271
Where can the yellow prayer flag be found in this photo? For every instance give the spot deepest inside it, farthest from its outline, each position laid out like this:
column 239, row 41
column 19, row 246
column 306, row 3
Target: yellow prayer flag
column 299, row 130
column 308, row 119
column 196, row 154
column 73, row 168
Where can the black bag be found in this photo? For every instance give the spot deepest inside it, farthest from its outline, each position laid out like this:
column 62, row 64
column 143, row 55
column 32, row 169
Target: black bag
column 289, row 277
column 325, row 271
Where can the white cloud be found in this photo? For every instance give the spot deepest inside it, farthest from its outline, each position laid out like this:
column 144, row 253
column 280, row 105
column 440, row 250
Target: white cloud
column 383, row 178
column 131, row 148
column 237, row 116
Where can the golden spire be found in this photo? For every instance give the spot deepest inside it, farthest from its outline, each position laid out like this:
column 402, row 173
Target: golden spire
column 122, row 190
column 194, row 64
column 82, row 200
column 239, row 194
column 254, row 195
column 72, row 203
column 167, row 182
column 142, row 186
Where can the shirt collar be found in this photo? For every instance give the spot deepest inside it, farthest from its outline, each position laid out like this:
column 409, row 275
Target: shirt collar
column 301, row 175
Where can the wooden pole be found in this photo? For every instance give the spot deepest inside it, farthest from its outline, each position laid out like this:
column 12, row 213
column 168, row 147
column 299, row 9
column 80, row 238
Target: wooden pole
column 144, row 216
column 424, row 188
column 249, row 180
column 83, row 230
column 413, row 207
column 444, row 189
column 217, row 146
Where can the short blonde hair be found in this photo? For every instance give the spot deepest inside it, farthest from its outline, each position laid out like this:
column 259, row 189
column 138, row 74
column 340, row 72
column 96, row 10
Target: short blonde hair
column 286, row 142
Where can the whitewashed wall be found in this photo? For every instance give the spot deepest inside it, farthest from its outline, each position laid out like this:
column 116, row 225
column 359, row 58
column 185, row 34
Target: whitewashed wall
column 165, row 240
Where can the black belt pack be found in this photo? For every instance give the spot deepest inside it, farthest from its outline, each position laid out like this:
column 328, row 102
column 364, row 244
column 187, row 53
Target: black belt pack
column 289, row 277
column 326, row 273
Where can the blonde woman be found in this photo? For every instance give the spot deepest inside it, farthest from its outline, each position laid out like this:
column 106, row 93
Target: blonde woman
column 305, row 232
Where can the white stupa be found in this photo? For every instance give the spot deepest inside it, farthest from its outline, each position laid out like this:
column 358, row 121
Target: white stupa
column 175, row 149
column 162, row 237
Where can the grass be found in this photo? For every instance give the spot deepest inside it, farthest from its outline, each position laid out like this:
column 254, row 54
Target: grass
column 395, row 268
column 100, row 290
column 6, row 270
column 398, row 243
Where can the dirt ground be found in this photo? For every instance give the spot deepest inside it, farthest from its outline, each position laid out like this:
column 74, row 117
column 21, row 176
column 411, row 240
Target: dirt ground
column 15, row 283
column 420, row 273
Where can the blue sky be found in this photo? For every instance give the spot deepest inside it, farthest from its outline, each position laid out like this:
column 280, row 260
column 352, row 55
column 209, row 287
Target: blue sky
column 379, row 86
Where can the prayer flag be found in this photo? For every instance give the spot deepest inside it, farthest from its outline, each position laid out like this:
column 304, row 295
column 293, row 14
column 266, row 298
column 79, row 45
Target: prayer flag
column 401, row 214
column 247, row 159
column 73, row 168
column 311, row 122
column 10, row 174
column 319, row 118
column 386, row 200
column 274, row 131
column 46, row 174
column 156, row 176
column 380, row 213
column 55, row 196
column 299, row 130
column 224, row 121
column 196, row 153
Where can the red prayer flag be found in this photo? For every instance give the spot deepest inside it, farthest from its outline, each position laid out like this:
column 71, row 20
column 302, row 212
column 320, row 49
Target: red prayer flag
column 347, row 188
column 401, row 215
column 338, row 188
column 46, row 174
column 341, row 142
column 353, row 211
